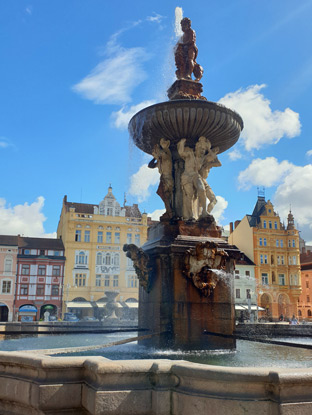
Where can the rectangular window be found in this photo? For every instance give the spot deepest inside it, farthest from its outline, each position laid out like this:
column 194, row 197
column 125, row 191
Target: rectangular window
column 78, row 236
column 80, row 280
column 248, row 295
column 264, row 278
column 275, row 225
column 260, row 241
column 24, row 289
column 289, row 243
column 264, row 242
column 132, row 281
column 41, row 270
column 117, row 237
column 289, row 260
column 261, row 259
column 8, row 265
column 115, row 281
column 278, row 260
column 108, row 237
column 282, row 260
column 277, row 243
column 56, row 253
column 264, row 224
column 281, row 279
column 129, row 238
column 41, row 252
column 270, row 224
column 308, row 298
column 247, row 273
column 40, row 289
column 87, row 236
column 56, row 270
column 282, row 243
column 25, row 269
column 237, row 293
column 100, row 237
column 55, row 290
column 307, row 284
column 236, row 274
column 265, row 259
column 137, row 240
column 294, row 260
column 98, row 280
column 106, row 281
column 6, row 287
column 293, row 243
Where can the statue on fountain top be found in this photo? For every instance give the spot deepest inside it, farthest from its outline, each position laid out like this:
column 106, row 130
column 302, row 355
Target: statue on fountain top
column 186, row 53
column 185, row 59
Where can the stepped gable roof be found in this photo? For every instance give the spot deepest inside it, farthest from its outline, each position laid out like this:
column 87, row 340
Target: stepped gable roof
column 244, row 260
column 81, row 207
column 133, row 211
column 259, row 209
column 47, row 243
column 9, row 240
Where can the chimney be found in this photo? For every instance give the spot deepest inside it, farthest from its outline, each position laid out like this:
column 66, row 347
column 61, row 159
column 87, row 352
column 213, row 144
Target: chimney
column 231, row 227
column 236, row 223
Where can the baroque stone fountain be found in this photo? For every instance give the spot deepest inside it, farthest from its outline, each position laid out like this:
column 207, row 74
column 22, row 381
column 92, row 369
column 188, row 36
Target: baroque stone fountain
column 185, row 268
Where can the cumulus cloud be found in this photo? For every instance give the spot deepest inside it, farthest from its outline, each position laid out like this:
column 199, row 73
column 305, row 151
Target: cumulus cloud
column 235, row 155
column 122, row 117
column 264, row 172
column 295, row 191
column 141, row 181
column 219, row 209
column 262, row 126
column 157, row 214
column 309, row 153
column 26, row 219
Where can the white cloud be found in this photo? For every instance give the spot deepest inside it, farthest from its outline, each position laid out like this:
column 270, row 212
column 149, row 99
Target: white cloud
column 262, row 126
column 122, row 117
column 23, row 219
column 309, row 153
column 156, row 18
column 219, row 209
column 113, row 80
column 157, row 214
column 29, row 10
column 235, row 155
column 264, row 172
column 4, row 142
column 141, row 181
column 295, row 191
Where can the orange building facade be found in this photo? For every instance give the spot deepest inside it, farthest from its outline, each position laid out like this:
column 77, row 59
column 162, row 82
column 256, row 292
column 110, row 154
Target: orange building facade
column 305, row 299
column 274, row 249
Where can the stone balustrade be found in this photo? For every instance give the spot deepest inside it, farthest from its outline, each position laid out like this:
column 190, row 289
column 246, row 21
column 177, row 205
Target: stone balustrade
column 38, row 384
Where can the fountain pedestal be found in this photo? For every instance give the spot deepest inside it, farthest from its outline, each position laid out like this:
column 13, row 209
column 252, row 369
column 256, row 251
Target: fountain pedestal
column 173, row 309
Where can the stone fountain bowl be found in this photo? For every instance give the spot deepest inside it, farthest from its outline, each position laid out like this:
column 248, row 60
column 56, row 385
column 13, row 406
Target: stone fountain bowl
column 188, row 119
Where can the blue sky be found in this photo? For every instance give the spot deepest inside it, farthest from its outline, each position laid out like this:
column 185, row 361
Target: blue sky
column 72, row 73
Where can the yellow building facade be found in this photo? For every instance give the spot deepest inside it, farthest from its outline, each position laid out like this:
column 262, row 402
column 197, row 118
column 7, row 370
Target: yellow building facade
column 93, row 237
column 274, row 249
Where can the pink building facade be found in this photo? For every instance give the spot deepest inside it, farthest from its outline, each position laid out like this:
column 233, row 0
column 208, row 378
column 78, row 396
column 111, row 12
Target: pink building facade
column 8, row 266
column 40, row 275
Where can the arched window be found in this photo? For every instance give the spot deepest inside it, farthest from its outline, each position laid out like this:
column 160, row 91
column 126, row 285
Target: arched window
column 99, row 258
column 309, row 313
column 82, row 258
column 299, row 313
column 107, row 259
column 116, row 259
column 264, row 224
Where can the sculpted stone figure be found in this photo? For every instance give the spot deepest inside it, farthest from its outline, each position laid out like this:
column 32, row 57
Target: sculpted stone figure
column 200, row 264
column 140, row 263
column 193, row 188
column 163, row 160
column 206, row 159
column 186, row 53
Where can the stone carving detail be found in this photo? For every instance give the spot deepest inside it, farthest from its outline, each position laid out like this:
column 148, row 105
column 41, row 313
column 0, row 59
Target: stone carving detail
column 195, row 189
column 200, row 264
column 141, row 264
column 163, row 160
column 186, row 53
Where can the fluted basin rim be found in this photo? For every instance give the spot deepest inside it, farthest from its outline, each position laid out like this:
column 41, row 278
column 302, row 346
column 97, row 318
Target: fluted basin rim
column 188, row 119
